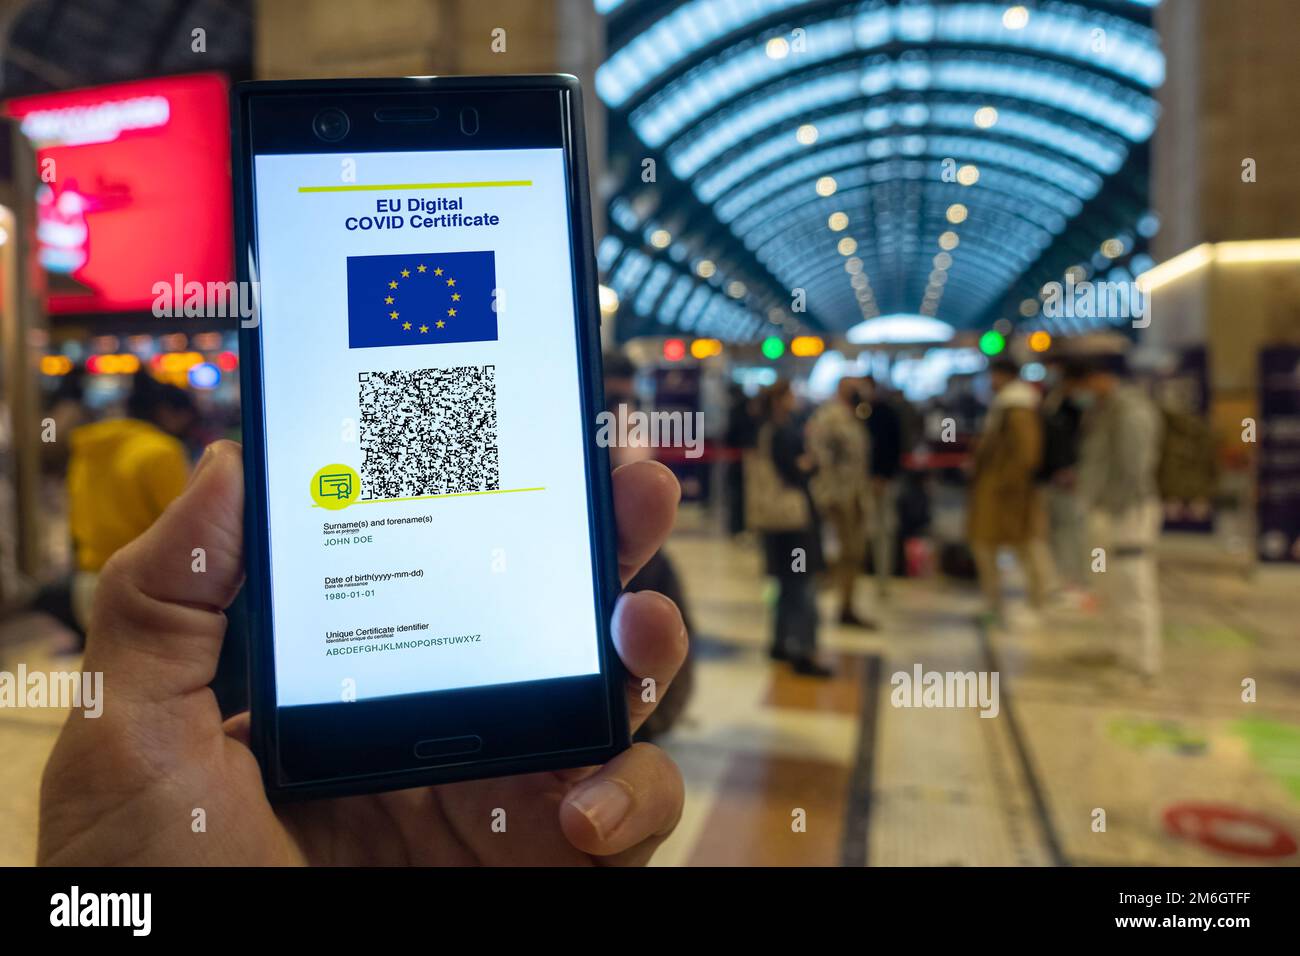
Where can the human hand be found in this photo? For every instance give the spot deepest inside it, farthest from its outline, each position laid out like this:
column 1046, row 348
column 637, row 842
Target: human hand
column 123, row 789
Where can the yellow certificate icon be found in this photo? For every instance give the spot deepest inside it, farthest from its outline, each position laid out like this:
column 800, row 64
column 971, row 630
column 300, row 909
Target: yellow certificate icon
column 335, row 486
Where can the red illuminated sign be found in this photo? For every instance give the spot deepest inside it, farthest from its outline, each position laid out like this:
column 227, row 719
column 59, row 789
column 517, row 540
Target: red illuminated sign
column 134, row 188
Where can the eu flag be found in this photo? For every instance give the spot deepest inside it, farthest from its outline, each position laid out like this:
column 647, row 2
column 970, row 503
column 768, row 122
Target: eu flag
column 421, row 299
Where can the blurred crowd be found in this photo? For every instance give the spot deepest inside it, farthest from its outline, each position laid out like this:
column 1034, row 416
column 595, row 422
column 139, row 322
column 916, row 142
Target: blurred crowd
column 1061, row 475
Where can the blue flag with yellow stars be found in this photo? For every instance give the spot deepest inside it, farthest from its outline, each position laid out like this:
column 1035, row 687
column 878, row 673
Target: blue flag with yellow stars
column 425, row 298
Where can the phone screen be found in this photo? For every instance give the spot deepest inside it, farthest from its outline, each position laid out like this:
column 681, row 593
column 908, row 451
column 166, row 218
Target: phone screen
column 429, row 522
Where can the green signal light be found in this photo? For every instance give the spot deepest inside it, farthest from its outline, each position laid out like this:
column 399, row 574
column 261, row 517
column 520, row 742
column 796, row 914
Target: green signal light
column 992, row 342
column 773, row 348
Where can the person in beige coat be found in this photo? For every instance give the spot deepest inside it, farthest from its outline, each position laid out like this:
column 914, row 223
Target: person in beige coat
column 1005, row 507
column 840, row 447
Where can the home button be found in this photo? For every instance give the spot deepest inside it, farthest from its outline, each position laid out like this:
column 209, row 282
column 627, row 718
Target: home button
column 448, row 746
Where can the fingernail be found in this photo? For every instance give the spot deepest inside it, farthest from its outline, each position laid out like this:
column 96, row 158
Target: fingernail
column 669, row 606
column 605, row 804
column 662, row 600
column 204, row 460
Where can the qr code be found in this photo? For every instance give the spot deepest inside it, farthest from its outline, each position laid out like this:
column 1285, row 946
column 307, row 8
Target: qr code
column 431, row 431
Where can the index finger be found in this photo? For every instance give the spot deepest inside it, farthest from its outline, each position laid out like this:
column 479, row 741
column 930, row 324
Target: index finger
column 645, row 505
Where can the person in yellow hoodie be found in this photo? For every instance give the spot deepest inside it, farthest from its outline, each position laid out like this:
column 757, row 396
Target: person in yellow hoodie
column 122, row 473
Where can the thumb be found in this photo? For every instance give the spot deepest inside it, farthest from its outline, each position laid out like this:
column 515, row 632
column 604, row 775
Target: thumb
column 157, row 623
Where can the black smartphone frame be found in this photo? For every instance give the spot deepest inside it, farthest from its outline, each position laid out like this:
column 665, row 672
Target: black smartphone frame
column 348, row 748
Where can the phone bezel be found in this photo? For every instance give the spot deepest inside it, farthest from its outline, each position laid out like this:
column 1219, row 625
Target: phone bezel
column 363, row 719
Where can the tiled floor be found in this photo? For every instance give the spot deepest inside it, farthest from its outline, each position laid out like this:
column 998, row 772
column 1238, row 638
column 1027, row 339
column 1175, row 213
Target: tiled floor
column 26, row 734
column 1077, row 732
column 786, row 770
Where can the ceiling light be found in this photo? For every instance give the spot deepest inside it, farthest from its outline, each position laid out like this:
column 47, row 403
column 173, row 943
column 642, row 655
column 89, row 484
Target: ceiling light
column 1015, row 18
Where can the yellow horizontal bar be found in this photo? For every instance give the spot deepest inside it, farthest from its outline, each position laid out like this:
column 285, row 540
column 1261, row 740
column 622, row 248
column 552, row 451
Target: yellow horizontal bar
column 456, row 494
column 376, row 188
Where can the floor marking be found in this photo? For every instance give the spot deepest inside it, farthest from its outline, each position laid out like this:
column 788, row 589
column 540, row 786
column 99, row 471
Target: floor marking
column 1022, row 752
column 857, row 817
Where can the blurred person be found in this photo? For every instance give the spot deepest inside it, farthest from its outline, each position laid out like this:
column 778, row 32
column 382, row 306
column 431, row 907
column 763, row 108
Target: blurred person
column 778, row 504
column 122, row 473
column 659, row 573
column 120, row 790
column 884, row 422
column 740, row 436
column 67, row 412
column 1062, row 429
column 1118, row 460
column 841, row 489
column 1187, row 475
column 620, row 391
column 1005, row 506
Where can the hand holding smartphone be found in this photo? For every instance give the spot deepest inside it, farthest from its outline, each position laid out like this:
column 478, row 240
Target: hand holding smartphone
column 132, row 788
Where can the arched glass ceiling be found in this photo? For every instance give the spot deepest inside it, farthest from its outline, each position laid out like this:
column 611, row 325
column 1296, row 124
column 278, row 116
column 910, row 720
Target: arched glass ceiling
column 866, row 156
column 693, row 26
column 793, row 255
column 688, row 29
column 671, row 299
column 1039, row 217
column 1123, row 49
column 829, row 290
column 612, row 6
column 1049, row 167
column 886, row 98
column 1109, row 108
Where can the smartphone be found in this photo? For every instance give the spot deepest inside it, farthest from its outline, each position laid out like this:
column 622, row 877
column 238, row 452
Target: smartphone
column 429, row 528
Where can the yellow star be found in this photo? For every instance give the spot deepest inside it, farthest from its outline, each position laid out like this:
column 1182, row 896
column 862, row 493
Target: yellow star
column 451, row 282
column 388, row 300
column 438, row 271
column 422, row 268
column 393, row 284
column 407, row 326
column 451, row 311
column 455, row 297
column 406, row 273
column 441, row 323
column 424, row 328
column 392, row 315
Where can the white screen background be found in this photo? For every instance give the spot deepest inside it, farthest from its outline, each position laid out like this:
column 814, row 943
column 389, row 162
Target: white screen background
column 513, row 568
